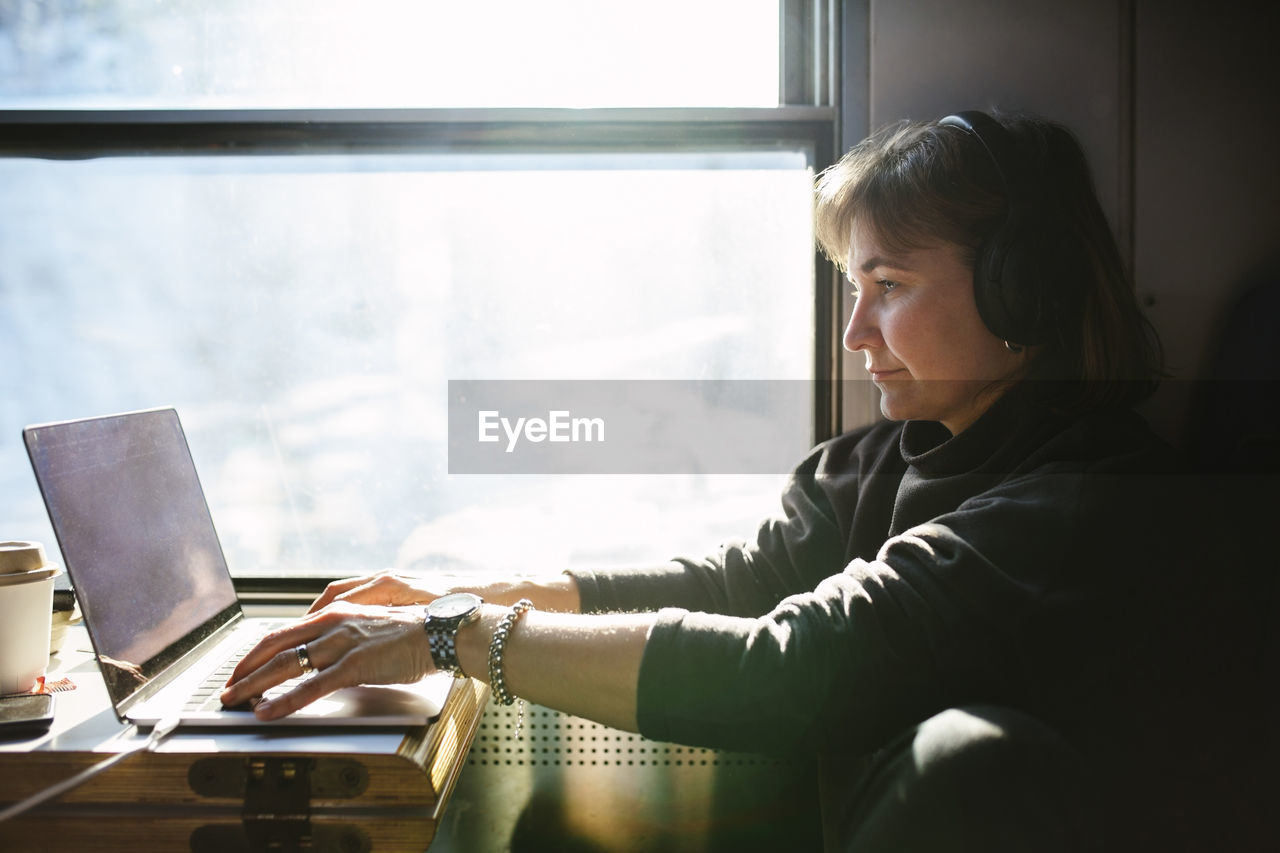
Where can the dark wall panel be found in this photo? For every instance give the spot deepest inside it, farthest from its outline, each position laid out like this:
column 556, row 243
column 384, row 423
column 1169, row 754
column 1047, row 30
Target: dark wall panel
column 1175, row 103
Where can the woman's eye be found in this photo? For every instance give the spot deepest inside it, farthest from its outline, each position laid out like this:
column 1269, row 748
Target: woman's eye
column 882, row 283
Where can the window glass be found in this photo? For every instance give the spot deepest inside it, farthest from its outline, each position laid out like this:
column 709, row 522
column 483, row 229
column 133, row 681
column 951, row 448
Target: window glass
column 388, row 53
column 305, row 314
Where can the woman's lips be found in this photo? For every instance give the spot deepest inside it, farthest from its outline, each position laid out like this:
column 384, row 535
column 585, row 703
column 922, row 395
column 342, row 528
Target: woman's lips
column 877, row 375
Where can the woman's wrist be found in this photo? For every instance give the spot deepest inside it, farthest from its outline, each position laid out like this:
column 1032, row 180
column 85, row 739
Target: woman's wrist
column 473, row 641
column 557, row 594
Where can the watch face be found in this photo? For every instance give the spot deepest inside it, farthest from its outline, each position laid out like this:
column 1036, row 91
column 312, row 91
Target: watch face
column 453, row 605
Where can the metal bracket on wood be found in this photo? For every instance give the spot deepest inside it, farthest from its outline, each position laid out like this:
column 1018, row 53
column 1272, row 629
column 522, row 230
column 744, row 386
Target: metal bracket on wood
column 276, row 792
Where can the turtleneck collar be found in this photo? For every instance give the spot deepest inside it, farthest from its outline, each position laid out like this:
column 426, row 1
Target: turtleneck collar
column 930, row 448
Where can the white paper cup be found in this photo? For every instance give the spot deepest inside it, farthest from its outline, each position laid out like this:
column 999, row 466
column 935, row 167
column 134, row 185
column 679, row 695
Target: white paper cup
column 26, row 616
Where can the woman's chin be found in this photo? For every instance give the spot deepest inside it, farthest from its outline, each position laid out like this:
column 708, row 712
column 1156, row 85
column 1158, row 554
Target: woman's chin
column 895, row 406
column 894, row 413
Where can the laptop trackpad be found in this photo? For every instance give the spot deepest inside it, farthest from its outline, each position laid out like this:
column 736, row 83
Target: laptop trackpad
column 397, row 705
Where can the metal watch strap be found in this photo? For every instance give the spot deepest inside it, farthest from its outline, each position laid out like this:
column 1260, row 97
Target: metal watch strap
column 441, row 620
column 442, row 640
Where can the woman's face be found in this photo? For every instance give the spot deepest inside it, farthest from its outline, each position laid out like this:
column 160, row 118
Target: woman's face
column 917, row 324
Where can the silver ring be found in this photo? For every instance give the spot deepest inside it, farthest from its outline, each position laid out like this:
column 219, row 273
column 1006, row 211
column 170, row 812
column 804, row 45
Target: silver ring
column 304, row 659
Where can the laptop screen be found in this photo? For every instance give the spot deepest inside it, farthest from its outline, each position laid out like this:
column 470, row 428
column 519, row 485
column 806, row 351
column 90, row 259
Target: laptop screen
column 136, row 535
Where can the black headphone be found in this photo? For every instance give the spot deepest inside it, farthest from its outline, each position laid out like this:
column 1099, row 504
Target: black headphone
column 1021, row 278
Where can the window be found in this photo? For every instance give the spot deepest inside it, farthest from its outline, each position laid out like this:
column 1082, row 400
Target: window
column 126, row 54
column 303, row 269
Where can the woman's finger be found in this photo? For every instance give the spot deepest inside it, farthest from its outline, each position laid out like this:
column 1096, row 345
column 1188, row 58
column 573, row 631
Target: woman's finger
column 272, row 644
column 338, row 587
column 387, row 590
column 365, row 593
column 317, row 687
column 278, row 657
column 281, row 667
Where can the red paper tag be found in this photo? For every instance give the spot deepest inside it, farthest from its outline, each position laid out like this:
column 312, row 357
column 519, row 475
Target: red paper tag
column 61, row 685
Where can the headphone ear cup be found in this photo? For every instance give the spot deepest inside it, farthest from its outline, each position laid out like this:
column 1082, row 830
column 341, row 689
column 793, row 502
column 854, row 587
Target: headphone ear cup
column 1014, row 279
column 995, row 286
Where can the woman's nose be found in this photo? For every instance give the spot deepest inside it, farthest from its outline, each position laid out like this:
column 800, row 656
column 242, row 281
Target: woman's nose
column 861, row 331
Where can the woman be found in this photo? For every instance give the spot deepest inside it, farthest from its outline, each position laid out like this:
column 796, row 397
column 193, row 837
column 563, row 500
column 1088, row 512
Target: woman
column 965, row 610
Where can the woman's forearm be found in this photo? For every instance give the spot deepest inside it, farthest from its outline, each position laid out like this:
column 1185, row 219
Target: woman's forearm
column 587, row 666
column 557, row 593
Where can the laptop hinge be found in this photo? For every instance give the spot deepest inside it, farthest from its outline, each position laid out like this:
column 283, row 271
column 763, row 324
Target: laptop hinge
column 160, row 680
column 277, row 793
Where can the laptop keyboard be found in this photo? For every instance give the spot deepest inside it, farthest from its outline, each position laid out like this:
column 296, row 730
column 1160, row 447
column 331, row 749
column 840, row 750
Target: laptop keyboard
column 207, row 696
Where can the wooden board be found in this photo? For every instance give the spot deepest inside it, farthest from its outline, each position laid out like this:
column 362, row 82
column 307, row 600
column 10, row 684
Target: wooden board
column 409, row 768
column 376, row 790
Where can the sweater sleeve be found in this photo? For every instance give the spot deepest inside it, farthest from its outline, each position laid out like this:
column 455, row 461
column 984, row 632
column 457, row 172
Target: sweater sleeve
column 823, row 665
column 928, row 624
column 790, row 554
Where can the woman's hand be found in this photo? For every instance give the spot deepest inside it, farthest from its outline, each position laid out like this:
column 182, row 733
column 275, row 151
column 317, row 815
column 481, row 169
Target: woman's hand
column 558, row 593
column 348, row 643
column 385, row 588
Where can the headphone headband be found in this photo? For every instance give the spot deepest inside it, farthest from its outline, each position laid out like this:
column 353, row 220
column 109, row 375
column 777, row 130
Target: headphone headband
column 1000, row 147
column 1017, row 281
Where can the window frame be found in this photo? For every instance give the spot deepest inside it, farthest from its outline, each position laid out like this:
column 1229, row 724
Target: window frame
column 807, row 119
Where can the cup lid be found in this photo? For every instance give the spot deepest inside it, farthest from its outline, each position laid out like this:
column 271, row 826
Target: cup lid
column 49, row 570
column 19, row 556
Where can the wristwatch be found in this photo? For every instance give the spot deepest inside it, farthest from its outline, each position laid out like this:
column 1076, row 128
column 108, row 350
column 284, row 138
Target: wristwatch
column 444, row 617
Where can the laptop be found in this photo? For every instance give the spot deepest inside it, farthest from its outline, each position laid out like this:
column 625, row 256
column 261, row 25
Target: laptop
column 139, row 545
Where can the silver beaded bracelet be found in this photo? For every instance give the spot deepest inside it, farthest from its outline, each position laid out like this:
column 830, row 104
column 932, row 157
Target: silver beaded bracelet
column 497, row 646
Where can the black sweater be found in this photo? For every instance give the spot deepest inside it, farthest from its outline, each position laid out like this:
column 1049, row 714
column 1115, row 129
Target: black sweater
column 1049, row 564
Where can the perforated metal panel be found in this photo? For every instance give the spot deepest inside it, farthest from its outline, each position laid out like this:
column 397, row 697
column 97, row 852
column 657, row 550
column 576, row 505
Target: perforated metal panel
column 571, row 784
column 552, row 739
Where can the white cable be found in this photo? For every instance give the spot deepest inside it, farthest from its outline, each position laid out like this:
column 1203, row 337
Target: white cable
column 161, row 731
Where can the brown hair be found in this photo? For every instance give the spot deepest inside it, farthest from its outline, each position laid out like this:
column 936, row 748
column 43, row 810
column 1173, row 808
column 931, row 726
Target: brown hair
column 914, row 184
